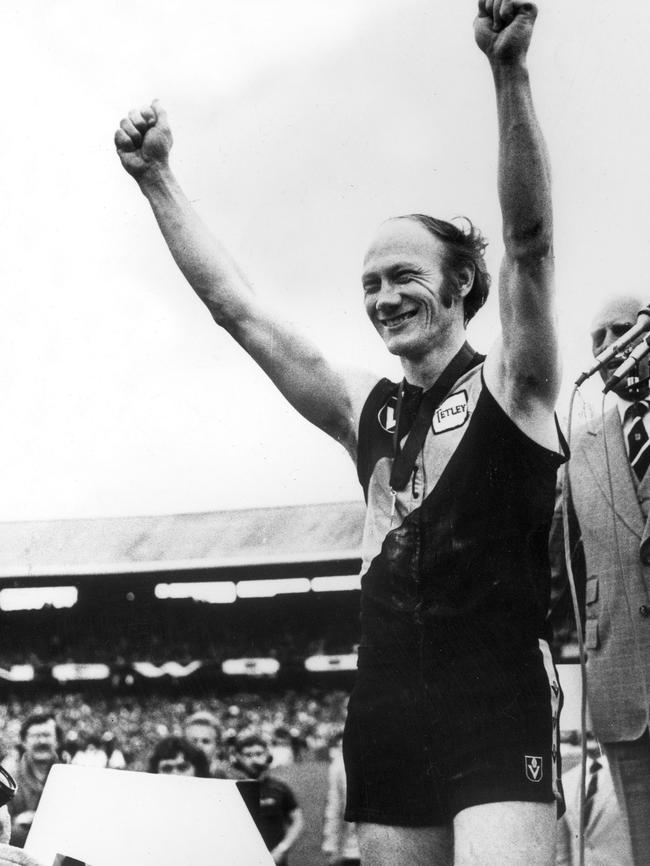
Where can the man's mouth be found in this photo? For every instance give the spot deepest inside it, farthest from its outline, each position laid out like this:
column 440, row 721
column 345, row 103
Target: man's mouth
column 396, row 321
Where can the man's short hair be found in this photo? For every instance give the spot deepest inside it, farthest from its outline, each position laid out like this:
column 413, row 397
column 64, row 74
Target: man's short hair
column 248, row 739
column 464, row 247
column 203, row 717
column 169, row 747
column 40, row 718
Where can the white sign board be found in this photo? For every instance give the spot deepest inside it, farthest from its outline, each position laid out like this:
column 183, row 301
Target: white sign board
column 101, row 817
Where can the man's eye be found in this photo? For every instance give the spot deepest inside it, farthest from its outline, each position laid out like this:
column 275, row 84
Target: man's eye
column 404, row 277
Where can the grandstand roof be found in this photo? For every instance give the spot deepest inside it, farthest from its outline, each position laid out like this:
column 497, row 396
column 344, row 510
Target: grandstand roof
column 212, row 540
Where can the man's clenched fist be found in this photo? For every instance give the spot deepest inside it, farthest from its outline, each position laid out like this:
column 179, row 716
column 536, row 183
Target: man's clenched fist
column 144, row 140
column 503, row 29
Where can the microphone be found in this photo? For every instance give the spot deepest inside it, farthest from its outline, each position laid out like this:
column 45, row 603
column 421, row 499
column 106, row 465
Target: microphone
column 642, row 324
column 628, row 364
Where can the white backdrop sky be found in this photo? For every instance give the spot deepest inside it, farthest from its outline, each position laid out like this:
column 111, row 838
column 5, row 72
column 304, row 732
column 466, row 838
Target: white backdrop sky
column 299, row 126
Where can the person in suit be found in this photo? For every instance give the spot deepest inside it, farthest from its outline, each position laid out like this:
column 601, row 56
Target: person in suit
column 606, row 840
column 609, row 508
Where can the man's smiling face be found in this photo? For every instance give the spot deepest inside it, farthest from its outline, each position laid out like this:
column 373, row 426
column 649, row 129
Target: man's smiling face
column 407, row 294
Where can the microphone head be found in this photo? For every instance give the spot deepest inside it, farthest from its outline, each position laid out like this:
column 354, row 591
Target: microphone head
column 635, row 383
column 616, row 318
column 609, row 369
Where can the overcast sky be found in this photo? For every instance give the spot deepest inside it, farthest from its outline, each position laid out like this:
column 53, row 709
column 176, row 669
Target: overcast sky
column 299, row 126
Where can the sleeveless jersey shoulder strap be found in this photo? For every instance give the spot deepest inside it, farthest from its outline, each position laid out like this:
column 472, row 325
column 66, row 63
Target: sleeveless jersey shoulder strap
column 376, row 427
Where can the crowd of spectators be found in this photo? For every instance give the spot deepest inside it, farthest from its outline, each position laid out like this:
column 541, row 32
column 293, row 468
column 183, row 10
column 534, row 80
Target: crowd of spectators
column 304, row 723
column 243, row 738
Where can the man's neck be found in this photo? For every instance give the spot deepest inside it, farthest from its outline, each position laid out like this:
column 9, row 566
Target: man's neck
column 425, row 371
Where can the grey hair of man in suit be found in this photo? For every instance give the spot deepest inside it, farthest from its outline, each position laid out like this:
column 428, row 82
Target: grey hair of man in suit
column 614, row 318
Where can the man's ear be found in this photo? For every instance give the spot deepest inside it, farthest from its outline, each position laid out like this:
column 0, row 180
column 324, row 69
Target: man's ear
column 465, row 280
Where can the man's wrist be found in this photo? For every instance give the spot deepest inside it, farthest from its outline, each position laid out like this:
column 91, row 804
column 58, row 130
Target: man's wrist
column 510, row 73
column 155, row 177
column 509, row 66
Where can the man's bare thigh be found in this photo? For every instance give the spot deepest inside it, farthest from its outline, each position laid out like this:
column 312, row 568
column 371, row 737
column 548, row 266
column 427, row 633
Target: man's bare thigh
column 382, row 845
column 506, row 834
column 493, row 834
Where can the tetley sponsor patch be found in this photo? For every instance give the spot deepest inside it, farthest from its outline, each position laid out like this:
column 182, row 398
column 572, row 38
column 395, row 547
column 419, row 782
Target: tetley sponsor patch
column 452, row 413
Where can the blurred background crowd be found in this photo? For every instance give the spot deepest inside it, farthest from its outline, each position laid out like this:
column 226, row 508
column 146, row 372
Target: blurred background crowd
column 296, row 726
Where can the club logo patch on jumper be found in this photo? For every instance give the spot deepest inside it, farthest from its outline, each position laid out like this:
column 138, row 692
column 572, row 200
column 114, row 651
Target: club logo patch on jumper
column 452, row 413
column 534, row 768
column 386, row 415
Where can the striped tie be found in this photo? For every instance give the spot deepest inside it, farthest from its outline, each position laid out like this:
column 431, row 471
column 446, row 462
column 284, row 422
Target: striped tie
column 637, row 439
column 592, row 787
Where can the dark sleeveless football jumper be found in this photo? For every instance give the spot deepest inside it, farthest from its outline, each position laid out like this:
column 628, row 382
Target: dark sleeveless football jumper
column 456, row 699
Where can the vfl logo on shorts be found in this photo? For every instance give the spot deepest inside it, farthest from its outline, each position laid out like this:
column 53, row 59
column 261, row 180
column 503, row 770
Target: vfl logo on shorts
column 386, row 415
column 452, row 413
column 534, row 768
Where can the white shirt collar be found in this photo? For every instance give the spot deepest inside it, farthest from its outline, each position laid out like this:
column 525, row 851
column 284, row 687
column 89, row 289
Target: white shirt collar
column 622, row 405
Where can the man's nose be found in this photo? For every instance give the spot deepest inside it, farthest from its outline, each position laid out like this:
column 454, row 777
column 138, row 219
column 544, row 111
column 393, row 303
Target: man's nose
column 388, row 298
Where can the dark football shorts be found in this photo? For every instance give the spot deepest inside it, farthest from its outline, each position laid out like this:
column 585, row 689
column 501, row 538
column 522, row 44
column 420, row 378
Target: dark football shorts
column 418, row 751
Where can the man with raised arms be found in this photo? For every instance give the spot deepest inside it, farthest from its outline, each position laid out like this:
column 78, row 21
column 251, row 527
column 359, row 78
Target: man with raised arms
column 449, row 743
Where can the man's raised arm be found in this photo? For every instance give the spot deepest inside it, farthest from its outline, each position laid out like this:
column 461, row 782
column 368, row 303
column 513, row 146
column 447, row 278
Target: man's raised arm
column 328, row 398
column 523, row 371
